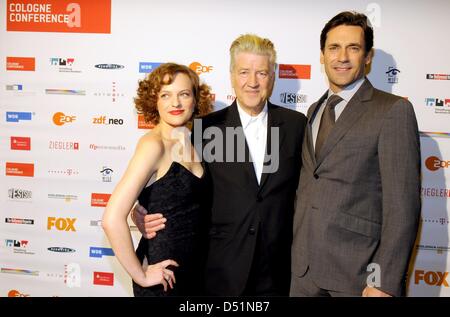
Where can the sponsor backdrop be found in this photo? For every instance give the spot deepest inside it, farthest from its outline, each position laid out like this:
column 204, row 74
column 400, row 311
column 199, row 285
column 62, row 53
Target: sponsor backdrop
column 69, row 72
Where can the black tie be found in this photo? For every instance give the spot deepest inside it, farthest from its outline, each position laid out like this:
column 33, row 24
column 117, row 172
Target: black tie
column 327, row 121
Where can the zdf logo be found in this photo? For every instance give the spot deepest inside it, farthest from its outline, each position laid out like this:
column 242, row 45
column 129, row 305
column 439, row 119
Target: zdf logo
column 60, row 119
column 431, row 278
column 62, row 224
column 434, row 163
column 199, row 68
column 16, row 293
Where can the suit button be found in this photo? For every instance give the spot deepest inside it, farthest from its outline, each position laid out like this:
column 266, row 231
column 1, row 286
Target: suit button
column 316, row 176
column 259, row 198
column 252, row 231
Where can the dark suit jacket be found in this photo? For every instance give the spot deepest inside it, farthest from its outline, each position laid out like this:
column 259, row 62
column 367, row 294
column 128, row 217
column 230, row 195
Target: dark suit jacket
column 242, row 210
column 359, row 201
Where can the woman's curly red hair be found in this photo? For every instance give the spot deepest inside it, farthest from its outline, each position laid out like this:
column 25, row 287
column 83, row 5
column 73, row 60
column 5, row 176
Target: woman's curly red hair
column 149, row 88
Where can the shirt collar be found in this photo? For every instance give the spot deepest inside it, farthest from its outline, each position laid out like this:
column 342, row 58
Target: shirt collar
column 349, row 91
column 246, row 119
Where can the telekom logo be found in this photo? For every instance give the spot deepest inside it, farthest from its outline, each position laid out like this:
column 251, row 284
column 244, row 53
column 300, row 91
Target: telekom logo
column 433, row 163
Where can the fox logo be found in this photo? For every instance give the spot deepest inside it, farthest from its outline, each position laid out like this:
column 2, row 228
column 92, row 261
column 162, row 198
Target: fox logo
column 62, row 224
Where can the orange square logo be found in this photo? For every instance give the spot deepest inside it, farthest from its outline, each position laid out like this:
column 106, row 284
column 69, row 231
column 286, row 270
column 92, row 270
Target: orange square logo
column 142, row 124
column 81, row 16
column 291, row 71
column 20, row 63
column 99, row 200
column 19, row 169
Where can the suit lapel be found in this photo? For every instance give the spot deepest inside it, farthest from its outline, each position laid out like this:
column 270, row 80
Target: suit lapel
column 233, row 120
column 275, row 121
column 352, row 112
column 312, row 111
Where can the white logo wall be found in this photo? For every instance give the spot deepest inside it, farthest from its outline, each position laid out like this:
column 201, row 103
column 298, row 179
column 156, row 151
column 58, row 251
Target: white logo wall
column 68, row 124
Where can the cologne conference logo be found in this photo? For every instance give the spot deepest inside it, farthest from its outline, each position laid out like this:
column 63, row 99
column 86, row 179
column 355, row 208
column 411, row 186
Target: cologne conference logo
column 20, row 63
column 142, row 124
column 19, row 169
column 99, row 199
column 293, row 71
column 68, row 16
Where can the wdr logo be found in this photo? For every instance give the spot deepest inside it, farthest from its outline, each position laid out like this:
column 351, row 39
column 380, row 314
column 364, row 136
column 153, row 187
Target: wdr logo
column 95, row 252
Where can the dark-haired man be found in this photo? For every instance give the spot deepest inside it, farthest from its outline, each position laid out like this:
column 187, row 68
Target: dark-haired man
column 358, row 199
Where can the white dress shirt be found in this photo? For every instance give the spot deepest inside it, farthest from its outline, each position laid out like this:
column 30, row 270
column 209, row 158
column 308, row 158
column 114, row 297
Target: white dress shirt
column 346, row 94
column 255, row 131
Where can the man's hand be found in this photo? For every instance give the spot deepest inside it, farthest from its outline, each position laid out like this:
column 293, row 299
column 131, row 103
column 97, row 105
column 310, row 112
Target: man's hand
column 148, row 224
column 374, row 292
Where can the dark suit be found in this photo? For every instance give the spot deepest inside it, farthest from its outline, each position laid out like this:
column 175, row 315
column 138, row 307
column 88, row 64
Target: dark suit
column 251, row 225
column 359, row 201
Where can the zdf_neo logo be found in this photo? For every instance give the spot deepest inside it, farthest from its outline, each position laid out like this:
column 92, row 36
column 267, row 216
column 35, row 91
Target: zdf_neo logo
column 62, row 224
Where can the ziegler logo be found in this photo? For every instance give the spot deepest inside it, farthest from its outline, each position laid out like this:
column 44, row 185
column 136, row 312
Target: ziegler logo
column 62, row 224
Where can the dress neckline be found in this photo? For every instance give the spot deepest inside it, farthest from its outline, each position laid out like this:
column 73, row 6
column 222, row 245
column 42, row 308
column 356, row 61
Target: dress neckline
column 183, row 167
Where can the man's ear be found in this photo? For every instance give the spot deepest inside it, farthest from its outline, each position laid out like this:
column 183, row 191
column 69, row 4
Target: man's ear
column 369, row 57
column 231, row 79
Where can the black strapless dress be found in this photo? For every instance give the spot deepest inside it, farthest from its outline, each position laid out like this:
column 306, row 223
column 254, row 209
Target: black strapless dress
column 182, row 198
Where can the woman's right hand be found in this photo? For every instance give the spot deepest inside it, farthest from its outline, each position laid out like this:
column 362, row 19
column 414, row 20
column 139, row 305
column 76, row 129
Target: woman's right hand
column 159, row 274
